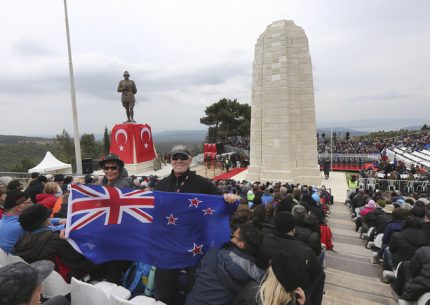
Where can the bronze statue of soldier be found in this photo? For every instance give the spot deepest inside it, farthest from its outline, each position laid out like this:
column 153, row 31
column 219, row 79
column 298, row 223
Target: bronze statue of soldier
column 128, row 89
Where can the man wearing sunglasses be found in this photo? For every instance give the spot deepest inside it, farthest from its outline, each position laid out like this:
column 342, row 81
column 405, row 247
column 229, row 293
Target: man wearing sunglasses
column 115, row 173
column 182, row 180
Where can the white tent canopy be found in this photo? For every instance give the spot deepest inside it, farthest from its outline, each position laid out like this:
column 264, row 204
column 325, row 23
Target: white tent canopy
column 51, row 165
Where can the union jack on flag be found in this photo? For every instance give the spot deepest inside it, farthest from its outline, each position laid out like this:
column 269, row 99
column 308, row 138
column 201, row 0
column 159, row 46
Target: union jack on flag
column 168, row 230
column 110, row 203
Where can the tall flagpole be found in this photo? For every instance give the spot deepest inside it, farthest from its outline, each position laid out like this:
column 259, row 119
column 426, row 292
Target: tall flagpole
column 72, row 92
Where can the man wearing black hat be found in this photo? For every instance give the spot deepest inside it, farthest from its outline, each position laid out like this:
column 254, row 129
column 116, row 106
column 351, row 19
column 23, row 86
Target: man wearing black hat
column 21, row 283
column 10, row 228
column 283, row 240
column 182, row 180
column 115, row 173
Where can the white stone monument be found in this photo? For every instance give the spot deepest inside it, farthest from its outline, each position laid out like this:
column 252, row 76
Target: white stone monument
column 283, row 129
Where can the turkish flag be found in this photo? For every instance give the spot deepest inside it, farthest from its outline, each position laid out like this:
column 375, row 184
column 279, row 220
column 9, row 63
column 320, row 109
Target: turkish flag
column 144, row 143
column 121, row 142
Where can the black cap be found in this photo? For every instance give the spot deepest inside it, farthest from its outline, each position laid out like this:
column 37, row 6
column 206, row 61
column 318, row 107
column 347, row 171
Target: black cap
column 284, row 222
column 14, row 198
column 289, row 269
column 58, row 178
column 32, row 217
column 111, row 158
column 18, row 280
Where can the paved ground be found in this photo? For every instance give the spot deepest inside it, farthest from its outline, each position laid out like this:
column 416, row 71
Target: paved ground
column 350, row 277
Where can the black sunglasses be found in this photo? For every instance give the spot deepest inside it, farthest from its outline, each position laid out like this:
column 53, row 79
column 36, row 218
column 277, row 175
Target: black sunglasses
column 180, row 157
column 114, row 168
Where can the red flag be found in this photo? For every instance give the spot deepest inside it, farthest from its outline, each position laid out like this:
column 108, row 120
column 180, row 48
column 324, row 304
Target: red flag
column 121, row 142
column 144, row 143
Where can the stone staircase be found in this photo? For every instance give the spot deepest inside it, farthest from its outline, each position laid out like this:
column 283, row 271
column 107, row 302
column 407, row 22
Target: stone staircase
column 350, row 276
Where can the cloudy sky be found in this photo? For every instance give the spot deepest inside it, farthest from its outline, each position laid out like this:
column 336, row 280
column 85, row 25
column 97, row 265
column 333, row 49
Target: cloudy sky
column 370, row 59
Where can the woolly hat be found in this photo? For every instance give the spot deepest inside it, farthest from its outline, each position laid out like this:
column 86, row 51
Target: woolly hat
column 32, row 217
column 284, row 222
column 381, row 203
column 316, row 197
column 289, row 269
column 417, row 212
column 370, row 204
column 14, row 198
column 389, row 208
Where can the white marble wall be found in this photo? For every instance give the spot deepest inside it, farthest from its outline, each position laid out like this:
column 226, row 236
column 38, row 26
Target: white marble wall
column 283, row 130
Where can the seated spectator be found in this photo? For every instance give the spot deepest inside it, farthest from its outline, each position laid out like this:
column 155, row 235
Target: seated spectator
column 413, row 277
column 41, row 242
column 371, row 218
column 283, row 240
column 2, row 198
column 21, row 283
column 49, row 195
column 36, row 187
column 304, row 231
column 222, row 273
column 403, row 244
column 281, row 284
column 10, row 229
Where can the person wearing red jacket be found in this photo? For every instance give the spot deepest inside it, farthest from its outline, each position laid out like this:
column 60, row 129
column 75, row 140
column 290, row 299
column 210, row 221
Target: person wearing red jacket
column 48, row 198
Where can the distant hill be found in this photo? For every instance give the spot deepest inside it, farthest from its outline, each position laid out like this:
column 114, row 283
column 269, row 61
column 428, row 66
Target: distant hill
column 6, row 139
column 343, row 131
column 179, row 136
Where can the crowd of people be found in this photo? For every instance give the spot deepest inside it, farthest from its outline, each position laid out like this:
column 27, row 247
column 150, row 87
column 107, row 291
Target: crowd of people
column 362, row 145
column 275, row 254
column 239, row 142
column 402, row 225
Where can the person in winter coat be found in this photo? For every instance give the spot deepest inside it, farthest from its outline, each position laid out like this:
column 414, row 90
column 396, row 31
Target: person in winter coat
column 222, row 273
column 413, row 277
column 283, row 240
column 368, row 208
column 42, row 243
column 36, row 187
column 403, row 244
column 48, row 197
column 305, row 231
column 115, row 173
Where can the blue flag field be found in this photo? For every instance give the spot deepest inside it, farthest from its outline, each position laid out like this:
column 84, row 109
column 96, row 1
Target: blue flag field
column 168, row 230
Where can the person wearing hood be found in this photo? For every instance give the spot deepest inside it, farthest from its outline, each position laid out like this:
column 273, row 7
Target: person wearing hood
column 368, row 208
column 115, row 173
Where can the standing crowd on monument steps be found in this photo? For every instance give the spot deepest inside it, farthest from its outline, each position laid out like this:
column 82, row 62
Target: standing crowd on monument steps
column 279, row 236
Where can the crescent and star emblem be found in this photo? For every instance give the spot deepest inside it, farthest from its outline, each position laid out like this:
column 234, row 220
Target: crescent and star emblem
column 117, row 133
column 142, row 131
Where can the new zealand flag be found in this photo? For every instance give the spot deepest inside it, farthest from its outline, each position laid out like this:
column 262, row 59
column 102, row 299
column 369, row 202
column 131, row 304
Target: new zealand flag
column 168, row 230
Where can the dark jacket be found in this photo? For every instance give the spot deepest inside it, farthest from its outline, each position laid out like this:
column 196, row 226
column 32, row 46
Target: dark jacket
column 221, row 275
column 390, row 228
column 194, row 184
column 48, row 245
column 404, row 244
column 282, row 242
column 311, row 238
column 35, row 187
column 123, row 181
column 382, row 221
column 371, row 218
column 419, row 269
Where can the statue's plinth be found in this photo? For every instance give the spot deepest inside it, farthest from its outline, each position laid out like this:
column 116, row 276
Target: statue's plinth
column 134, row 145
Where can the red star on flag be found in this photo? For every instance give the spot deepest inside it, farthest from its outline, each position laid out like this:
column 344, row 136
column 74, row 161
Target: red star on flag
column 196, row 249
column 171, row 220
column 194, row 202
column 208, row 211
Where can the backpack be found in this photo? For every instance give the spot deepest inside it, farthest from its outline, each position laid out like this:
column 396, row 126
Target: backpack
column 326, row 236
column 139, row 279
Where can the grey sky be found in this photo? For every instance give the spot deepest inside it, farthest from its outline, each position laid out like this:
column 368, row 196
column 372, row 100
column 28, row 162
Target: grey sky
column 369, row 58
